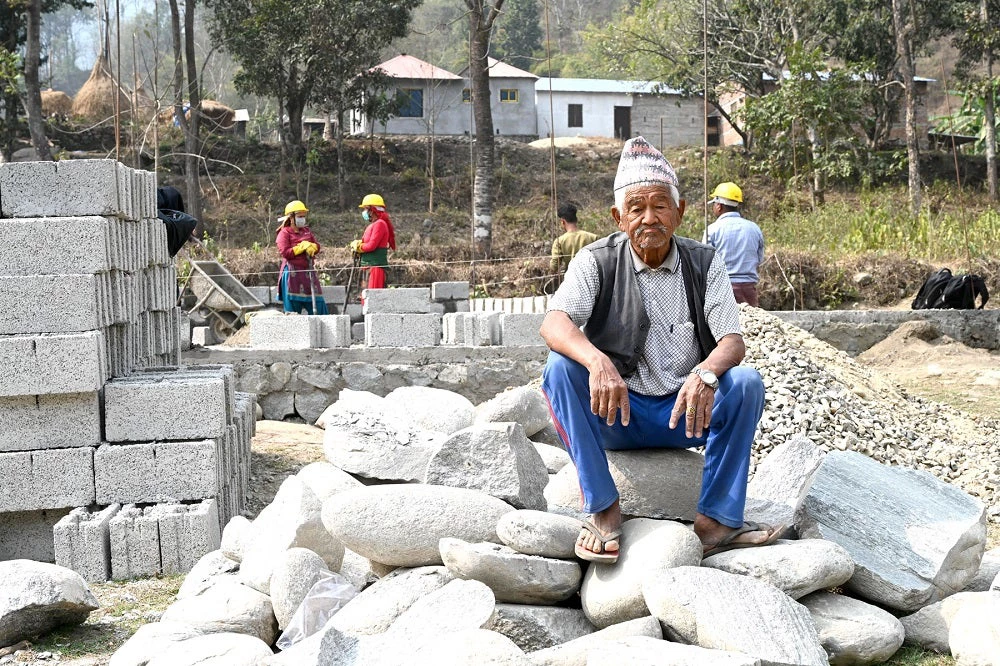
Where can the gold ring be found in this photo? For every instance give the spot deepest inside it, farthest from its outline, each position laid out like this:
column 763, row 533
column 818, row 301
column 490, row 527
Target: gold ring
column 692, row 410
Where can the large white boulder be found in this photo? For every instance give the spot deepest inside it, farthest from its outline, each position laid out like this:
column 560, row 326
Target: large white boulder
column 794, row 567
column 612, row 594
column 514, row 577
column 574, row 652
column 295, row 571
column 36, row 597
column 226, row 607
column 401, row 524
column 326, row 480
column 206, row 571
column 433, row 408
column 657, row 652
column 495, row 458
column 718, row 610
column 539, row 627
column 375, row 609
column 975, row 632
column 458, row 606
column 930, row 626
column 151, row 640
column 539, row 533
column 525, row 405
column 215, row 650
column 379, row 445
column 852, row 631
column 914, row 539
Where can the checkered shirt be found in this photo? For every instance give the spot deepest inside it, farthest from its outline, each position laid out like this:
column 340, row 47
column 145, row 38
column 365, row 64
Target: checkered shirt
column 671, row 349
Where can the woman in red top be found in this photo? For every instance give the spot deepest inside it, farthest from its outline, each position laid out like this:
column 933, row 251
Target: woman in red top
column 379, row 237
column 297, row 281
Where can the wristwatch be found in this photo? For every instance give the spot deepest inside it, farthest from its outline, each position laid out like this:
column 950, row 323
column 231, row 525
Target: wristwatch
column 707, row 376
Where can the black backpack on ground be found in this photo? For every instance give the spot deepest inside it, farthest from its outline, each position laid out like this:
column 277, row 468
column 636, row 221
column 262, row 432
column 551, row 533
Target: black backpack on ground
column 944, row 291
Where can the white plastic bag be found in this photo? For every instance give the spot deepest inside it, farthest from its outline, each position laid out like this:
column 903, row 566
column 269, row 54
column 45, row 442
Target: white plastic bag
column 327, row 596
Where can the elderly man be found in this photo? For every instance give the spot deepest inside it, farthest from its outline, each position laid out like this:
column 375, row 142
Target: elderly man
column 738, row 240
column 645, row 327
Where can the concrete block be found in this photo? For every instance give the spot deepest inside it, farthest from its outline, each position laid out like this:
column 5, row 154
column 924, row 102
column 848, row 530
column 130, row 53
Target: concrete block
column 449, row 291
column 263, row 294
column 334, row 294
column 453, row 329
column 285, row 332
column 33, row 422
column 52, row 363
column 358, row 332
column 406, row 300
column 135, row 543
column 521, row 330
column 482, row 329
column 51, row 304
column 201, row 336
column 457, row 306
column 27, row 535
column 184, row 335
column 69, row 187
column 355, row 312
column 157, row 471
column 82, row 542
column 157, row 407
column 187, row 532
column 402, row 330
column 334, row 330
column 53, row 479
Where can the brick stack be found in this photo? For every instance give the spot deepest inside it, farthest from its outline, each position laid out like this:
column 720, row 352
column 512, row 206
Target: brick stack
column 94, row 413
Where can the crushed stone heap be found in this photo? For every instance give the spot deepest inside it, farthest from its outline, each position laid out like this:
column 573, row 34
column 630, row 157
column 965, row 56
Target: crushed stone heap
column 821, row 393
column 114, row 461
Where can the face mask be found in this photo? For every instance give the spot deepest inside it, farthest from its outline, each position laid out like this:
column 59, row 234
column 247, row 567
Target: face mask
column 365, row 215
column 300, row 222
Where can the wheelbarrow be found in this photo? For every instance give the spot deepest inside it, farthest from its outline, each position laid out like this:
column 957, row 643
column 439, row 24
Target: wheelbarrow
column 219, row 298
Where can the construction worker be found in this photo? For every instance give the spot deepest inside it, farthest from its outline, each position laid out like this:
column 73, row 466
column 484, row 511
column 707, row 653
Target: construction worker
column 571, row 241
column 739, row 241
column 298, row 285
column 378, row 239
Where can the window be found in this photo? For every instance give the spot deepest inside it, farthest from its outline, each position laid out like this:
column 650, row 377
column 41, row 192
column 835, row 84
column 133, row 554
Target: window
column 466, row 95
column 508, row 95
column 575, row 115
column 411, row 102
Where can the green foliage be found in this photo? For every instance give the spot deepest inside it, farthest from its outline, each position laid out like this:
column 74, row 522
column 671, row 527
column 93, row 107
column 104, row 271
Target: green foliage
column 9, row 66
column 518, row 35
column 970, row 118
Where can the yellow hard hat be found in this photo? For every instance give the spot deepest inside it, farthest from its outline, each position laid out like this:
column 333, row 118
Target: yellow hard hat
column 727, row 194
column 372, row 200
column 295, row 207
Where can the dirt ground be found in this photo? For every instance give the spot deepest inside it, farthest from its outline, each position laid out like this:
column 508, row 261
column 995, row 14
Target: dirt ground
column 927, row 365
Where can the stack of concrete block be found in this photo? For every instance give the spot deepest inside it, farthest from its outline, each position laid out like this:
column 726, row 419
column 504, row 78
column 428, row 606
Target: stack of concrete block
column 521, row 329
column 472, row 329
column 517, row 305
column 300, row 331
column 167, row 538
column 87, row 320
column 405, row 317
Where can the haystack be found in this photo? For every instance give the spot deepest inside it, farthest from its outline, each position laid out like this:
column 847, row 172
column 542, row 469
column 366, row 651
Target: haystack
column 56, row 103
column 96, row 100
column 216, row 116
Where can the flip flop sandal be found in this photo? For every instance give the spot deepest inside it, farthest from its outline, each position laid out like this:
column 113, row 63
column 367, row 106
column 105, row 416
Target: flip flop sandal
column 602, row 557
column 727, row 542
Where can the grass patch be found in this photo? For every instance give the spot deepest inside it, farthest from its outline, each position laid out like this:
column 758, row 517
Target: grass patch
column 914, row 656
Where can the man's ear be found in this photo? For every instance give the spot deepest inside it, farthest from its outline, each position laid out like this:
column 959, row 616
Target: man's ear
column 617, row 217
column 681, row 206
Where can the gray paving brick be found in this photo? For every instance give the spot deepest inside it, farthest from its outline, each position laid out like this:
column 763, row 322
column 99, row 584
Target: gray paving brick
column 402, row 330
column 27, row 535
column 52, row 363
column 521, row 330
column 157, row 471
column 187, row 532
column 36, row 422
column 449, row 291
column 334, row 295
column 482, row 329
column 284, row 332
column 82, row 542
column 72, row 245
column 406, row 300
column 334, row 330
column 135, row 544
column 453, row 328
column 51, row 304
column 142, row 409
column 69, row 187
column 53, row 479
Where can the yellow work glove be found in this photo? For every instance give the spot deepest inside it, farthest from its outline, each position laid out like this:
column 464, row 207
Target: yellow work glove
column 312, row 249
column 300, row 248
column 356, row 246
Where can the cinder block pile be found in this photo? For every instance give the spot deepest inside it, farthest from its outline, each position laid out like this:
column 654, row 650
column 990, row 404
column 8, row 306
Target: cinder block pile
column 94, row 413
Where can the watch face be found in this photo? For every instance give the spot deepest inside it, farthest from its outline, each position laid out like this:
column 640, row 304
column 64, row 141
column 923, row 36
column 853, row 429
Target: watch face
column 709, row 377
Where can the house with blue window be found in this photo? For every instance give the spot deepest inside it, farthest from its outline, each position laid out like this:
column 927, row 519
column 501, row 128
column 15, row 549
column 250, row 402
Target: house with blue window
column 512, row 100
column 430, row 99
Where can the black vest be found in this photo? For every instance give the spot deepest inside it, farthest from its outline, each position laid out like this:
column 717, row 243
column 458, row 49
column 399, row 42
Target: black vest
column 619, row 324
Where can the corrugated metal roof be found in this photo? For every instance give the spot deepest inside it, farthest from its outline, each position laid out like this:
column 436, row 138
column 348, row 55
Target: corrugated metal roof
column 602, row 86
column 408, row 67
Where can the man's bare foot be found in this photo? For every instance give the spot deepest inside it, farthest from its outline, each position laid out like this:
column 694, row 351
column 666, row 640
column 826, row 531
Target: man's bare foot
column 712, row 533
column 607, row 522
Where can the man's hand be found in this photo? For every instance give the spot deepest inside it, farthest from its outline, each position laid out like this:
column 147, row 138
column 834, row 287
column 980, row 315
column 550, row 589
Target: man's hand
column 608, row 392
column 694, row 402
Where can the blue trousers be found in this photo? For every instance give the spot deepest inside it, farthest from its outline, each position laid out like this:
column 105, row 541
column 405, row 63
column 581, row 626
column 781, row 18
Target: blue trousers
column 739, row 403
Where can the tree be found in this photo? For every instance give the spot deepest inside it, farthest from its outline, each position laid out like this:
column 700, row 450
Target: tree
column 519, row 35
column 904, row 25
column 33, row 91
column 184, row 54
column 483, row 15
column 978, row 43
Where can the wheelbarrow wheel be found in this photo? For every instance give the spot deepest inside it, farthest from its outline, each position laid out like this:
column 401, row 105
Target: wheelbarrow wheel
column 223, row 325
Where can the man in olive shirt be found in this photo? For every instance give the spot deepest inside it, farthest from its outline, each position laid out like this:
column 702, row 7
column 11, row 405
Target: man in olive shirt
column 572, row 241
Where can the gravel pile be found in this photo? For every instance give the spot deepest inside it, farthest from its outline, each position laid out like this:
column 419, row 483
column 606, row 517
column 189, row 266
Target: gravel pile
column 817, row 391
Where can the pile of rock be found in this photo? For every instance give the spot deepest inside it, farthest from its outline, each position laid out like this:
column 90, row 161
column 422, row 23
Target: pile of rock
column 462, row 563
column 95, row 415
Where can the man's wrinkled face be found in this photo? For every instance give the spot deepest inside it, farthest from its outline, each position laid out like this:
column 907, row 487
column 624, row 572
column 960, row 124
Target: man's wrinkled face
column 649, row 216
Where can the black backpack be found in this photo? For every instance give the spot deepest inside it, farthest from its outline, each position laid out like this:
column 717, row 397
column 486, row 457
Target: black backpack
column 944, row 291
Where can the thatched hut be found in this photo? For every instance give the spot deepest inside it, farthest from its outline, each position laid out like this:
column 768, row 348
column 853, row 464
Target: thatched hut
column 56, row 103
column 96, row 99
column 215, row 116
